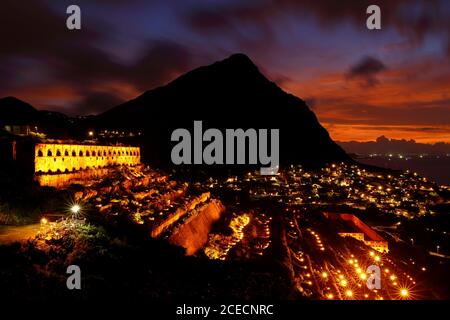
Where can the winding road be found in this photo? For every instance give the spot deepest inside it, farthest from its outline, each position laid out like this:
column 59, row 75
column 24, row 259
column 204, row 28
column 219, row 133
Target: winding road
column 9, row 234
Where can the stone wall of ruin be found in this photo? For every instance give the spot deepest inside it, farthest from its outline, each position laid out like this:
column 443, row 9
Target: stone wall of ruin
column 60, row 158
column 192, row 235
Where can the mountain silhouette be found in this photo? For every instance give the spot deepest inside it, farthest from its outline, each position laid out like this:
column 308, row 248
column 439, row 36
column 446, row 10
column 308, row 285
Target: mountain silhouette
column 17, row 112
column 227, row 94
column 231, row 93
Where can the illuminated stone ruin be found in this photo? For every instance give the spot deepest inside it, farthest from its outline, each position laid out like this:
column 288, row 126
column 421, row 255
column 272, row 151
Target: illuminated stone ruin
column 61, row 158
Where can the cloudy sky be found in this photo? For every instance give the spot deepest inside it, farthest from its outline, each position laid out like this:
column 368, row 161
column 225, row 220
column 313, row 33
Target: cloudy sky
column 360, row 83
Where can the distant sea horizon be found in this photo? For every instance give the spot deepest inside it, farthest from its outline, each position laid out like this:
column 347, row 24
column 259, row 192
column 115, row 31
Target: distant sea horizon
column 434, row 167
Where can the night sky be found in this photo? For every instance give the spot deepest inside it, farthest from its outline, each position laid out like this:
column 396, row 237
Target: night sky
column 360, row 83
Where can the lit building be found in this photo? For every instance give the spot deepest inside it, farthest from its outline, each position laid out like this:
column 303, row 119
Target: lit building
column 61, row 158
column 350, row 226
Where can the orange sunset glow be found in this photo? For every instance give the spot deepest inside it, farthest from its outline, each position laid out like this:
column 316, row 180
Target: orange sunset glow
column 360, row 83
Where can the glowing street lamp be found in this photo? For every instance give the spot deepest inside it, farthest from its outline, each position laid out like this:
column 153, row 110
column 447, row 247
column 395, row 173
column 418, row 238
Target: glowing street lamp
column 44, row 221
column 75, row 208
column 404, row 293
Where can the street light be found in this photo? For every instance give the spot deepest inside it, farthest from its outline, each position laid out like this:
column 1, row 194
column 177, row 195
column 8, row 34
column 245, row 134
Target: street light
column 404, row 293
column 75, row 208
column 437, row 249
column 412, row 241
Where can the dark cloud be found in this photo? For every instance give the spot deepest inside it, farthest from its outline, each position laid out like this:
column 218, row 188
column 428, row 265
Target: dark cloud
column 384, row 145
column 421, row 114
column 161, row 62
column 33, row 31
column 367, row 69
column 412, row 18
column 31, row 28
column 280, row 79
column 404, row 128
column 95, row 102
column 311, row 102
